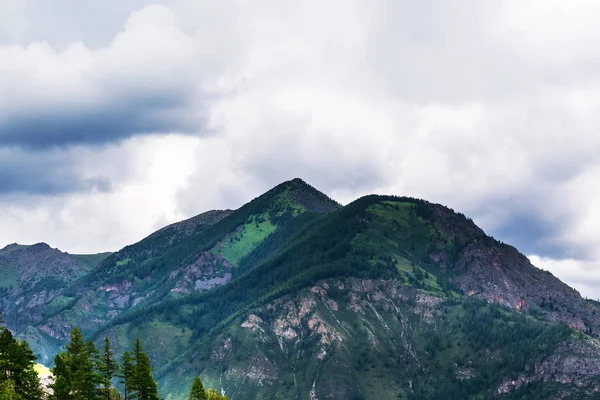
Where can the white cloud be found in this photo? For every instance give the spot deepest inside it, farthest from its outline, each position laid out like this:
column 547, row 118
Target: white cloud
column 146, row 174
column 582, row 196
column 147, row 79
column 582, row 275
column 489, row 107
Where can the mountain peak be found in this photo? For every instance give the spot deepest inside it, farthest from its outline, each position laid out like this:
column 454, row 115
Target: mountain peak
column 14, row 246
column 303, row 194
column 297, row 180
column 10, row 246
column 41, row 245
column 294, row 184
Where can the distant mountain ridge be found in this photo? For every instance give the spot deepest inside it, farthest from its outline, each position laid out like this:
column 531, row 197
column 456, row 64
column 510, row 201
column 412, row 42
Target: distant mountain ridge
column 33, row 277
column 294, row 296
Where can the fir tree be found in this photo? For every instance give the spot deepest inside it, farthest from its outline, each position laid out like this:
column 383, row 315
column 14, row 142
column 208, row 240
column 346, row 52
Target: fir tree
column 7, row 391
column 107, row 367
column 143, row 385
column 16, row 368
column 30, row 388
column 81, row 374
column 126, row 374
column 96, row 379
column 197, row 392
column 62, row 383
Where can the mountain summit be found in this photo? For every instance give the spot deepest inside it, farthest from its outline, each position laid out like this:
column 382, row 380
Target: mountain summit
column 294, row 296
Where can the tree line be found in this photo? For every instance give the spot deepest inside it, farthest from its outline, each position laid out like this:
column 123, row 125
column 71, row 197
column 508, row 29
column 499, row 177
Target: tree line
column 81, row 372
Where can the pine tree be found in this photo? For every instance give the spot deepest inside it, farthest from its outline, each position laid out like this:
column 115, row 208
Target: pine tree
column 82, row 377
column 7, row 391
column 30, row 388
column 197, row 391
column 107, row 368
column 62, row 383
column 96, row 379
column 144, row 386
column 17, row 368
column 126, row 374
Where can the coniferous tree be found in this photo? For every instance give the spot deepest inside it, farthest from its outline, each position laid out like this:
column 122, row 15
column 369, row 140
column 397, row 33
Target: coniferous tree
column 197, row 391
column 81, row 374
column 62, row 383
column 17, row 372
column 126, row 372
column 144, row 386
column 96, row 379
column 7, row 390
column 29, row 388
column 107, row 367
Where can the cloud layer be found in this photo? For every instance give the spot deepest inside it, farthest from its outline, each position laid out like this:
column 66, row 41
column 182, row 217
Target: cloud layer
column 143, row 81
column 163, row 111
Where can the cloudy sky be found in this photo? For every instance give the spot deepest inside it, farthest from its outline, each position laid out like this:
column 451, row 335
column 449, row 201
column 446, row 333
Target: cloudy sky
column 118, row 117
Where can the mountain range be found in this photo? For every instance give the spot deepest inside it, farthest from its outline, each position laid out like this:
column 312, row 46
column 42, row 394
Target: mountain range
column 294, row 296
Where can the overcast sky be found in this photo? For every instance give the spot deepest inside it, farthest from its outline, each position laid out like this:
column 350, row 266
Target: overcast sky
column 118, row 117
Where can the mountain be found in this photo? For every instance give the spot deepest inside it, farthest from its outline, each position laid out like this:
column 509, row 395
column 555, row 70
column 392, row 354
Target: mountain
column 293, row 296
column 33, row 280
column 184, row 258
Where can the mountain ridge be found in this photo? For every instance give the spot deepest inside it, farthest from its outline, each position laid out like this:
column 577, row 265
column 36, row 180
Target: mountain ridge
column 307, row 284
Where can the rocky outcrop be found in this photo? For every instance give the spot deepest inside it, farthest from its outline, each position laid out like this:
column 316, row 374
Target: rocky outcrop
column 31, row 277
column 575, row 364
column 259, row 369
column 499, row 273
column 207, row 271
column 109, row 290
column 321, row 326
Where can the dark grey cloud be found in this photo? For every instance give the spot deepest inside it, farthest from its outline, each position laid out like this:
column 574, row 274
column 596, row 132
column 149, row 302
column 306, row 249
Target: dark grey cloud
column 147, row 79
column 44, row 173
column 103, row 123
column 533, row 234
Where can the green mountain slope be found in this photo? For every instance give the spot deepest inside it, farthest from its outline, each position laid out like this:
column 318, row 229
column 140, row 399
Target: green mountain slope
column 382, row 270
column 189, row 257
column 295, row 297
column 33, row 280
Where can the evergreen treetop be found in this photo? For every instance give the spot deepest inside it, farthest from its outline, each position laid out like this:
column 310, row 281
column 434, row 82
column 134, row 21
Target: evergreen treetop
column 18, row 378
column 107, row 367
column 197, row 392
column 144, row 386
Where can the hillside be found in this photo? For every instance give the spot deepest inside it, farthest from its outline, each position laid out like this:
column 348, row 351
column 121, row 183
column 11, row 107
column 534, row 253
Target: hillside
column 189, row 257
column 369, row 297
column 32, row 277
column 33, row 280
column 295, row 297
